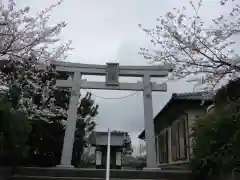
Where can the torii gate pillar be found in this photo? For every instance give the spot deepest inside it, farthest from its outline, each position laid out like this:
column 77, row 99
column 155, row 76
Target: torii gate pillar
column 146, row 72
column 151, row 153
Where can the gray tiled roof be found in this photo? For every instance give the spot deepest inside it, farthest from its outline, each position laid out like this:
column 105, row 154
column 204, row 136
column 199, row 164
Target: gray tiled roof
column 114, row 133
column 193, row 96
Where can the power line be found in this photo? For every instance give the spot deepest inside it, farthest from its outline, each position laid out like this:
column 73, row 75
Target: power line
column 122, row 97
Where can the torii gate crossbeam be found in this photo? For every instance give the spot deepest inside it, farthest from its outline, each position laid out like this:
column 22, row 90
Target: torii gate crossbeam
column 146, row 72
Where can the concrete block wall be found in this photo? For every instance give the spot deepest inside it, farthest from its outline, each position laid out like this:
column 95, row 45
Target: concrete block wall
column 5, row 173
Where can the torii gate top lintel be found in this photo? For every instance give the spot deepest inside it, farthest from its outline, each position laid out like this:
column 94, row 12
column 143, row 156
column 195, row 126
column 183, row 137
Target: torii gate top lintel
column 132, row 71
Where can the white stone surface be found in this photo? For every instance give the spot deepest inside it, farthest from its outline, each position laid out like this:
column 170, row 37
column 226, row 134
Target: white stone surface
column 133, row 71
column 62, row 166
column 94, row 69
column 71, row 122
column 98, row 157
column 149, row 124
column 118, row 158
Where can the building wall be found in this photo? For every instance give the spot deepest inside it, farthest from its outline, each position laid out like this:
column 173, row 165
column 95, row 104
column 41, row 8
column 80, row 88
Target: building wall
column 193, row 115
column 115, row 157
column 189, row 116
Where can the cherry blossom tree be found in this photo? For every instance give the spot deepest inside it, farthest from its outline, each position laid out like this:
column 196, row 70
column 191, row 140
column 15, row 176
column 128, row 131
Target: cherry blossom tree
column 23, row 35
column 27, row 47
column 205, row 54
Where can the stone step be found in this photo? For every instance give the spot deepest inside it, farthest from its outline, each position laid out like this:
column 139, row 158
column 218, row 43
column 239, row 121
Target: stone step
column 17, row 177
column 101, row 173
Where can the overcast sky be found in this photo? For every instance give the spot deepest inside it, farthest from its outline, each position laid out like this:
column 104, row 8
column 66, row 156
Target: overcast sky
column 107, row 30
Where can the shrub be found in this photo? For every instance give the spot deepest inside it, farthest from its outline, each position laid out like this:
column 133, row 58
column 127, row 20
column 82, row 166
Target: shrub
column 216, row 142
column 14, row 130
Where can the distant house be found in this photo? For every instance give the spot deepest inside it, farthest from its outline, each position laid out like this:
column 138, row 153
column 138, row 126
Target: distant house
column 118, row 142
column 173, row 126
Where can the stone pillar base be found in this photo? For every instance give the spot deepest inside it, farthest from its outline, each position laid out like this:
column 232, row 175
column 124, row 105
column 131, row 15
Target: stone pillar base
column 152, row 169
column 65, row 166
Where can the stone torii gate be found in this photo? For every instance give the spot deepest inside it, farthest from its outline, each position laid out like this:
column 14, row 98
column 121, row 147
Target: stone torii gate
column 112, row 71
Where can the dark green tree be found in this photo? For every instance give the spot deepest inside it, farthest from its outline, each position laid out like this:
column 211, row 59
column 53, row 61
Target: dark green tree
column 127, row 148
column 32, row 92
column 216, row 136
